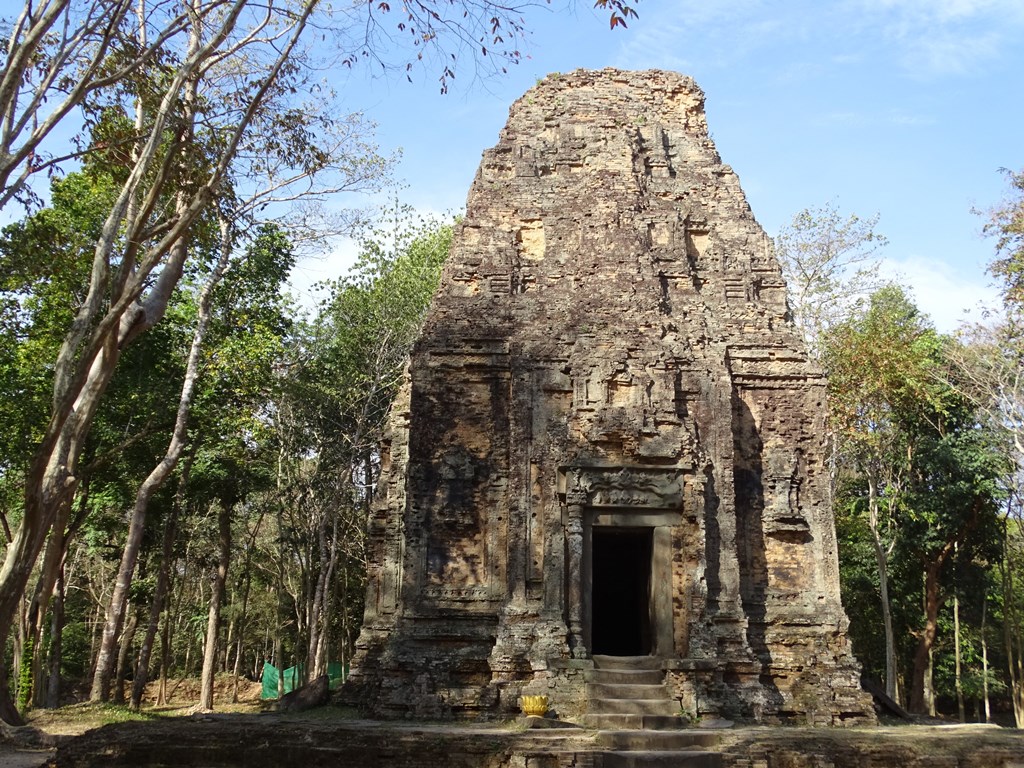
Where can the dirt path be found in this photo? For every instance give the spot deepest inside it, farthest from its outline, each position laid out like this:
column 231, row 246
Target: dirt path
column 12, row 757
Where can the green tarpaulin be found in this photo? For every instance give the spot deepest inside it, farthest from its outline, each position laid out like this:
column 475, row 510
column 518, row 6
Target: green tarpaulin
column 293, row 678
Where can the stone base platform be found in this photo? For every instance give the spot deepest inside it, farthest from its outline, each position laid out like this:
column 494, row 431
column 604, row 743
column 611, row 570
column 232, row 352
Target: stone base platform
column 323, row 738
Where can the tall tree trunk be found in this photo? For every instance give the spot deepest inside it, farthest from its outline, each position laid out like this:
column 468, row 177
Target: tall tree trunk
column 216, row 597
column 326, row 615
column 159, row 474
column 236, row 670
column 229, row 644
column 53, row 560
column 346, row 632
column 961, row 711
column 984, row 659
column 882, row 564
column 122, row 657
column 41, row 511
column 279, row 643
column 919, row 698
column 171, row 622
column 316, row 611
column 246, row 583
column 165, row 660
column 279, row 630
column 933, row 599
column 95, row 621
column 929, row 683
column 53, row 686
column 1012, row 640
column 163, row 577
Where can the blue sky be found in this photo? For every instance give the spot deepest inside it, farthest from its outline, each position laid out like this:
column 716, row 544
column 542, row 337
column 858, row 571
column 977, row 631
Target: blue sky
column 904, row 108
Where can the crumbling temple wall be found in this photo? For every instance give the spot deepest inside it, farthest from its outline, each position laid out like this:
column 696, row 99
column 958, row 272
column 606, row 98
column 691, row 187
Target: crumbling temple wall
column 608, row 366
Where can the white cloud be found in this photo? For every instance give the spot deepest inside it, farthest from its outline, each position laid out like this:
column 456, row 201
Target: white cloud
column 847, row 58
column 945, row 11
column 942, row 37
column 682, row 33
column 656, row 45
column 923, row 38
column 905, row 118
column 941, row 291
column 319, row 268
column 949, row 52
column 312, row 269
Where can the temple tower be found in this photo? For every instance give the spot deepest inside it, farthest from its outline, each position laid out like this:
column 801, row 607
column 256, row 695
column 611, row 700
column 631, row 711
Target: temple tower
column 610, row 439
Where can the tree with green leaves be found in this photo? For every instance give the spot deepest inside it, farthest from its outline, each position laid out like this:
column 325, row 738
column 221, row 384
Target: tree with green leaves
column 193, row 107
column 1006, row 224
column 329, row 414
column 988, row 361
column 829, row 263
column 176, row 134
column 1011, row 572
column 882, row 369
column 41, row 298
column 926, row 472
column 951, row 526
column 257, row 275
column 174, row 155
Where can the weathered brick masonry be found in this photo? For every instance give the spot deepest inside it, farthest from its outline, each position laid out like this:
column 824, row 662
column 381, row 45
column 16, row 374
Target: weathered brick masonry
column 610, row 439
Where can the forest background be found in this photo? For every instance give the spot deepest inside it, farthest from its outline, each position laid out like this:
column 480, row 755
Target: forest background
column 187, row 456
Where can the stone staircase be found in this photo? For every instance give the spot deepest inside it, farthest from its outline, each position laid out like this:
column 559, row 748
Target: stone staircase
column 629, row 692
column 630, row 704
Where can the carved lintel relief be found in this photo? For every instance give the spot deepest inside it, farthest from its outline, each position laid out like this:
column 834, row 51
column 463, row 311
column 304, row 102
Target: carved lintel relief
column 641, row 487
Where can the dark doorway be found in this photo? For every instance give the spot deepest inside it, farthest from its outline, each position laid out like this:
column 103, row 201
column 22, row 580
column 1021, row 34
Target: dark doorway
column 620, row 592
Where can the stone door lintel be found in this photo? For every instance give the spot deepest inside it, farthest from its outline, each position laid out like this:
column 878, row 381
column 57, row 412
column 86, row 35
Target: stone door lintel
column 620, row 487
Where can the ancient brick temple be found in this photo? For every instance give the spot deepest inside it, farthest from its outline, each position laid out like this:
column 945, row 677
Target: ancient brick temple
column 610, row 442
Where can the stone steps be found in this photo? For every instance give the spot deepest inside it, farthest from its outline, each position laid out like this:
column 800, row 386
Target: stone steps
column 625, row 676
column 608, row 706
column 630, row 704
column 617, row 722
column 645, row 690
column 679, row 739
column 627, row 663
column 628, row 685
column 662, row 759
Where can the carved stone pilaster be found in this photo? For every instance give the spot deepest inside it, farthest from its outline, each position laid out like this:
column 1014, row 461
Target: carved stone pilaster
column 574, row 544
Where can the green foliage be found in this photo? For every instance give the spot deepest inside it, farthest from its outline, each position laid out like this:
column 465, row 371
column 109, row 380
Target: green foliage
column 359, row 342
column 334, row 388
column 76, row 640
column 884, row 367
column 973, row 592
column 1006, row 224
column 905, row 430
column 954, row 495
column 25, row 675
column 252, row 320
column 858, row 577
column 46, row 261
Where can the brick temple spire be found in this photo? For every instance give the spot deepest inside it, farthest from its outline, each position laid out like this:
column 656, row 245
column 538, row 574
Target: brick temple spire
column 610, row 440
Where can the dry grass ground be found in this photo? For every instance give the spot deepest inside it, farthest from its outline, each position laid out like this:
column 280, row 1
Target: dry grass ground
column 28, row 748
column 182, row 698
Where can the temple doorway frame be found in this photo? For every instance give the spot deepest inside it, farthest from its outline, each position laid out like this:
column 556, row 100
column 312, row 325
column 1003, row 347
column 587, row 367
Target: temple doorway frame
column 627, row 497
